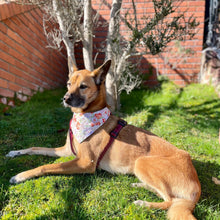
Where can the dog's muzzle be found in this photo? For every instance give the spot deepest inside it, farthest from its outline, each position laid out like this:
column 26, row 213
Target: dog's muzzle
column 72, row 100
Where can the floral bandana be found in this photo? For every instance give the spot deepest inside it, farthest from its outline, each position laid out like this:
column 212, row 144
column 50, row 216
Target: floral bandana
column 84, row 125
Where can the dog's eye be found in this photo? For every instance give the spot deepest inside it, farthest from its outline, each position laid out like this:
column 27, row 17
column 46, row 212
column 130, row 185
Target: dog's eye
column 83, row 86
column 68, row 84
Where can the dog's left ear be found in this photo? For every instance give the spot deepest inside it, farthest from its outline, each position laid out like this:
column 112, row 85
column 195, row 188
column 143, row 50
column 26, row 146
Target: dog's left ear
column 101, row 72
column 73, row 68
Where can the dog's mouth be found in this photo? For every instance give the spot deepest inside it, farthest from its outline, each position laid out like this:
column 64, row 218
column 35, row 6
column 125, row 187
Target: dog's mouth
column 73, row 101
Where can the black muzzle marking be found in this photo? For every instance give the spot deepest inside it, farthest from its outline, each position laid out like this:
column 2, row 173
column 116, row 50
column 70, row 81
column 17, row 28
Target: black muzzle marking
column 74, row 100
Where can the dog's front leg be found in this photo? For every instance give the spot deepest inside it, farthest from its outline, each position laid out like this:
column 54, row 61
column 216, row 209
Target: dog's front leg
column 53, row 152
column 78, row 165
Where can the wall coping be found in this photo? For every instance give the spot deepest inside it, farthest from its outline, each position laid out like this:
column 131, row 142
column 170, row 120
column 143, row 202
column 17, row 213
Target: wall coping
column 10, row 9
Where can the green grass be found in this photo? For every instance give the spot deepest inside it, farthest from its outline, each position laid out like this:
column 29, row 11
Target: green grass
column 189, row 118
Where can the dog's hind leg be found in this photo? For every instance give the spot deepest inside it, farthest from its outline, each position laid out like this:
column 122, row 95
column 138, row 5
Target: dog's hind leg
column 150, row 170
column 174, row 179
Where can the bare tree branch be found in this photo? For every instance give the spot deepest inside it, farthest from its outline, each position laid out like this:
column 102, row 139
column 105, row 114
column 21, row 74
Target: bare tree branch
column 88, row 35
column 69, row 45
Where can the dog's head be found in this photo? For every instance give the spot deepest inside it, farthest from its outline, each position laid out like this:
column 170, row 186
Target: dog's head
column 86, row 90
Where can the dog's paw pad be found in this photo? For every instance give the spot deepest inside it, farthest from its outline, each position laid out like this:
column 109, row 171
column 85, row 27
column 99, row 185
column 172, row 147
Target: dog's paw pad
column 141, row 203
column 13, row 154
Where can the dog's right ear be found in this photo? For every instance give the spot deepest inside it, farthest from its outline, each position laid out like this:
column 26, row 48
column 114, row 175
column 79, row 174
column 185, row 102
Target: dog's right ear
column 101, row 72
column 73, row 68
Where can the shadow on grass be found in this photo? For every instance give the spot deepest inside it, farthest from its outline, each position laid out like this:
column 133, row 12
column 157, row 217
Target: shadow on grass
column 206, row 113
column 73, row 197
column 77, row 187
column 210, row 191
column 74, row 194
column 12, row 166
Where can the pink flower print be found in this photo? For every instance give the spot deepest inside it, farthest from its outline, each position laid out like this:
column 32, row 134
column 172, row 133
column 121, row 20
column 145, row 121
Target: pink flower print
column 92, row 124
column 77, row 125
column 98, row 115
column 103, row 120
column 98, row 123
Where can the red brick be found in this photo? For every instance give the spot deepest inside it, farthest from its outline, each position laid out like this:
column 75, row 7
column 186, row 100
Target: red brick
column 35, row 51
column 23, row 75
column 3, row 83
column 3, row 46
column 13, row 61
column 6, row 92
column 4, row 11
column 37, row 17
column 7, row 75
column 41, row 78
column 16, row 8
column 14, row 87
column 3, row 65
column 25, row 83
column 3, row 27
column 16, row 54
column 14, row 36
column 24, row 18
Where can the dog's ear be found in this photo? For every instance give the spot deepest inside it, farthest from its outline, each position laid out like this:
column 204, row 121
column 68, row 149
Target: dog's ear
column 73, row 68
column 100, row 73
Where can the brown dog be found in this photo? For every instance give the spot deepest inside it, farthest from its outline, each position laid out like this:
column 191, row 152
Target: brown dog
column 159, row 165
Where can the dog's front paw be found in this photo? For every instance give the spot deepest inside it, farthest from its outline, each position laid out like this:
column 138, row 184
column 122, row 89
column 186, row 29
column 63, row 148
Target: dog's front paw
column 17, row 179
column 13, row 153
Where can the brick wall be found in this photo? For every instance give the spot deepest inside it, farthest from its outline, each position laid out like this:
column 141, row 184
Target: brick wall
column 180, row 66
column 26, row 64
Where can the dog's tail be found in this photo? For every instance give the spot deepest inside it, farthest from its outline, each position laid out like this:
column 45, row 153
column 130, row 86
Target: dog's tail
column 178, row 209
column 181, row 209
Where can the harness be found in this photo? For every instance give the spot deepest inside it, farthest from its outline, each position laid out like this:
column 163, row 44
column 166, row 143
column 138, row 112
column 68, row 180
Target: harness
column 113, row 135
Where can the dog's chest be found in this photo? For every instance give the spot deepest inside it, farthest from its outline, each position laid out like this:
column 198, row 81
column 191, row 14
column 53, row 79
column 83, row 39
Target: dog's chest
column 114, row 168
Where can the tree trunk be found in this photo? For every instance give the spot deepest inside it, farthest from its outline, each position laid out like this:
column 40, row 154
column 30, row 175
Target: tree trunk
column 69, row 45
column 88, row 33
column 113, row 31
column 210, row 69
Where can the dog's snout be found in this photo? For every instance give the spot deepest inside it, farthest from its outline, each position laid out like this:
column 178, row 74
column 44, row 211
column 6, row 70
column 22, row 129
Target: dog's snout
column 73, row 100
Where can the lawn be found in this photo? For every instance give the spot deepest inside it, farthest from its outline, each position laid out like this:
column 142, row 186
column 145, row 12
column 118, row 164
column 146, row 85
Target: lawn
column 189, row 118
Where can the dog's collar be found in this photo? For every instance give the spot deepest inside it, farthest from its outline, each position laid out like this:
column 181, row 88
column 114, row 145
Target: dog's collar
column 83, row 125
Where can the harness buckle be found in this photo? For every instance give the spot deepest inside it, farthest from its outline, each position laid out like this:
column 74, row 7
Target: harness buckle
column 122, row 122
column 115, row 132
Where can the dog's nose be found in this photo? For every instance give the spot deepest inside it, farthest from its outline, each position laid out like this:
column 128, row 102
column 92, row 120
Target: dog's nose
column 66, row 97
